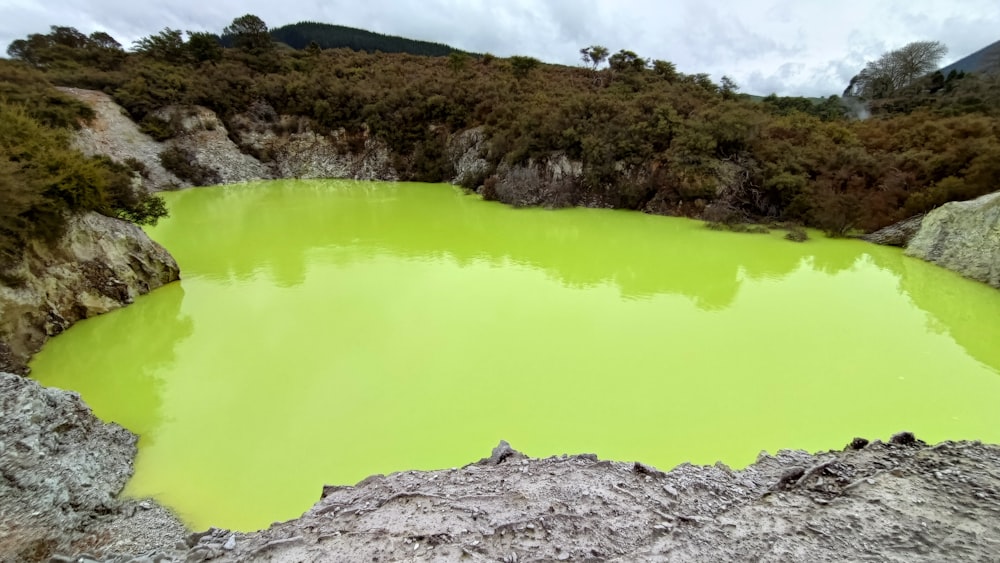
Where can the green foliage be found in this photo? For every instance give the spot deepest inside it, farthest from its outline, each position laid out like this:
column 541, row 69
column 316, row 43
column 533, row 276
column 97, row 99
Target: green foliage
column 158, row 128
column 594, row 56
column 624, row 61
column 204, row 47
column 458, row 62
column 26, row 87
column 827, row 109
column 167, row 45
column 249, row 32
column 66, row 47
column 42, row 181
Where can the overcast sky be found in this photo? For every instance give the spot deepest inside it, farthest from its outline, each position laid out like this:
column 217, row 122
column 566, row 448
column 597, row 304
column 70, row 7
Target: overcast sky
column 790, row 47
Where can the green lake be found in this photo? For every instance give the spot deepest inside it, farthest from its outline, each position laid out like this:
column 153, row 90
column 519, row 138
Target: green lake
column 325, row 331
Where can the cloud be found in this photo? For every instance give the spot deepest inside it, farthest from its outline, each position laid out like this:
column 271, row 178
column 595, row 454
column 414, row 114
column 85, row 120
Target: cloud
column 790, row 47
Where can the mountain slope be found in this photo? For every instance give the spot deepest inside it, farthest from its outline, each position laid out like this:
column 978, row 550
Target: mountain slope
column 986, row 59
column 328, row 36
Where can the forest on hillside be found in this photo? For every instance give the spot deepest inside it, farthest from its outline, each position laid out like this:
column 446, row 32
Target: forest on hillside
column 697, row 147
column 326, row 36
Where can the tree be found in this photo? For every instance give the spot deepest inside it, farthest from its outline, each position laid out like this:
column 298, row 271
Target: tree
column 522, row 66
column 728, row 88
column 626, row 60
column 64, row 45
column 665, row 69
column 204, row 46
column 167, row 46
column 250, row 33
column 896, row 69
column 594, row 55
column 102, row 40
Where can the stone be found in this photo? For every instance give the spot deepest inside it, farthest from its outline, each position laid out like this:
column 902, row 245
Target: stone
column 963, row 236
column 898, row 234
column 98, row 265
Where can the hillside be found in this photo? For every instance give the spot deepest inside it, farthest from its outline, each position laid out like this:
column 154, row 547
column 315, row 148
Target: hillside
column 329, row 36
column 636, row 134
column 986, row 59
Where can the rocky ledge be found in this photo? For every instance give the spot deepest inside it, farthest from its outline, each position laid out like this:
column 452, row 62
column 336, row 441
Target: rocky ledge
column 61, row 471
column 963, row 236
column 897, row 501
column 98, row 265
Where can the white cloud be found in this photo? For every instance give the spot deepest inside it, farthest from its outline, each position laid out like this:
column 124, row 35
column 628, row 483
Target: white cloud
column 792, row 47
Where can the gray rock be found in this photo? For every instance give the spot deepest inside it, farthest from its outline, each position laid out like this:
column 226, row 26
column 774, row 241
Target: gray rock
column 113, row 134
column 74, row 469
column 898, row 234
column 98, row 265
column 963, row 236
column 205, row 137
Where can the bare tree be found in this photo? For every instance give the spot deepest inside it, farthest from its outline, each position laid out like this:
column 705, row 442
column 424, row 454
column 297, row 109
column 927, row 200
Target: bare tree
column 896, row 69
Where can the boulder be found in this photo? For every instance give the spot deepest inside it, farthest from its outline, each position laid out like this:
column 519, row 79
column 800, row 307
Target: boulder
column 963, row 236
column 99, row 264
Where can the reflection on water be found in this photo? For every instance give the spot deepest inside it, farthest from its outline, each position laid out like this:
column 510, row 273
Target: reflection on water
column 325, row 331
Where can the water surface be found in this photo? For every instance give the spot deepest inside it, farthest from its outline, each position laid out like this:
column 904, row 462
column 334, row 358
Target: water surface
column 328, row 330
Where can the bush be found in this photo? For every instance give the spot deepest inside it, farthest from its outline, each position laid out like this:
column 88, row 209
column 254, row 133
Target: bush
column 183, row 164
column 137, row 166
column 796, row 234
column 43, row 181
column 158, row 128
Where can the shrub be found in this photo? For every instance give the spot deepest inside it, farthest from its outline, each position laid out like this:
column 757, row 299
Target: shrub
column 796, row 234
column 183, row 164
column 158, row 128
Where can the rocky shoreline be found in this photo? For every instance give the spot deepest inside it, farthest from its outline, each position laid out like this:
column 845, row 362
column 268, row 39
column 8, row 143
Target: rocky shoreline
column 961, row 236
column 98, row 265
column 895, row 501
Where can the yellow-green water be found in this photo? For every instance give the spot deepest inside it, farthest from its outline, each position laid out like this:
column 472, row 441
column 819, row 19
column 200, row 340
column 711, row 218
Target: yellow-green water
column 328, row 330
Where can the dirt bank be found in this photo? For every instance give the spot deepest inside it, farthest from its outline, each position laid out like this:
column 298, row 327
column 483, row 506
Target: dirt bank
column 896, row 501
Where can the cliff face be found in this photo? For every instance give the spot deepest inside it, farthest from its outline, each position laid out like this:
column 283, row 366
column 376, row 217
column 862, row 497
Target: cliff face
column 261, row 145
column 113, row 134
column 963, row 236
column 99, row 264
column 292, row 149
